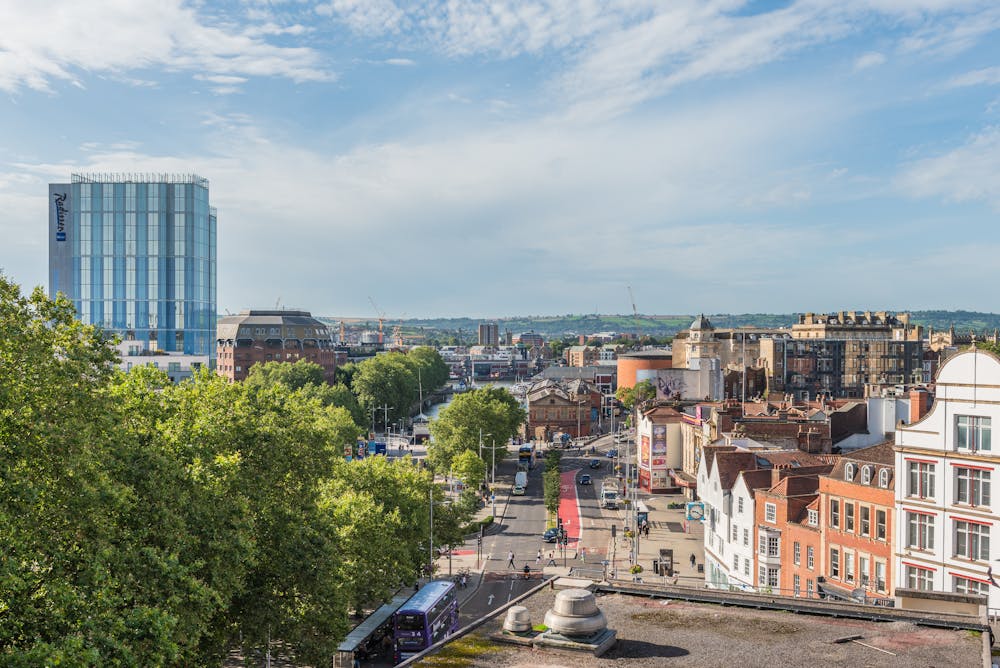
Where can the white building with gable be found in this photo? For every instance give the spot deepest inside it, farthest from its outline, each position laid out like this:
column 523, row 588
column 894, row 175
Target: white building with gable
column 946, row 514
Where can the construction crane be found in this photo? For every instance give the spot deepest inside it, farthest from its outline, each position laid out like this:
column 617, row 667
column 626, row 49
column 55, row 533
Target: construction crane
column 397, row 331
column 635, row 312
column 381, row 318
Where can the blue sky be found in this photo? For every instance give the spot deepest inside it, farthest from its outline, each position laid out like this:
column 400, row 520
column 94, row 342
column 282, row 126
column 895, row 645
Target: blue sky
column 536, row 157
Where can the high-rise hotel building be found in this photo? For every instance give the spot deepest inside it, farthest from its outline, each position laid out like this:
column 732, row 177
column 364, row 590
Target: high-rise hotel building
column 136, row 253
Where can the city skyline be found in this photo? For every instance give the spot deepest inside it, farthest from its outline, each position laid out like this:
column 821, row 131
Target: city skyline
column 532, row 157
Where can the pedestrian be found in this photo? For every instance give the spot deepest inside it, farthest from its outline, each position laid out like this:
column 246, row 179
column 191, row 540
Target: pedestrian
column 511, row 564
column 583, row 554
column 527, row 571
column 538, row 557
column 552, row 560
column 464, row 581
column 693, row 559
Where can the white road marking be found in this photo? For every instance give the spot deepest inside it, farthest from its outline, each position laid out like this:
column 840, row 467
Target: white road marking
column 489, row 601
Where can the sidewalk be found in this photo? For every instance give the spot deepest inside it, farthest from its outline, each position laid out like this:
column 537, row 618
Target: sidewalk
column 669, row 530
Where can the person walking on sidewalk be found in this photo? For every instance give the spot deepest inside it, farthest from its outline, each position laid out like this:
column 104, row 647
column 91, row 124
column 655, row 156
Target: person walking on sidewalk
column 510, row 560
column 538, row 557
column 552, row 559
column 693, row 559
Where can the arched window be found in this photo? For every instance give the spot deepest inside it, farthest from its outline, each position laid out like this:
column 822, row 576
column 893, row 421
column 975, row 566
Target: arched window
column 883, row 478
column 849, row 472
column 866, row 475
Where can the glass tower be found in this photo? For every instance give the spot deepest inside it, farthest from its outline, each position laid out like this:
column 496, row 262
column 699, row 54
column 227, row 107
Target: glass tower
column 136, row 254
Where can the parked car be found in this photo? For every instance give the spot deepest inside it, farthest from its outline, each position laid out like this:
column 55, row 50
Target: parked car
column 612, row 453
column 551, row 535
column 585, row 479
column 595, row 463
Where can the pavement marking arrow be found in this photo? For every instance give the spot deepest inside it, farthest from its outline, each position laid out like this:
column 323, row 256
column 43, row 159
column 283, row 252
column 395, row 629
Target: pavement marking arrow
column 489, row 601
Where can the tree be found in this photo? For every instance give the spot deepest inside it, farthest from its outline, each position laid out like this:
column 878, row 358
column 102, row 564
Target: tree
column 469, row 468
column 641, row 392
column 489, row 410
column 432, row 369
column 293, row 375
column 385, row 380
column 307, row 377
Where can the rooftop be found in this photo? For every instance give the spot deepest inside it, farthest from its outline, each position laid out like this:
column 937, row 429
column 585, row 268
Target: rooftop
column 137, row 177
column 677, row 633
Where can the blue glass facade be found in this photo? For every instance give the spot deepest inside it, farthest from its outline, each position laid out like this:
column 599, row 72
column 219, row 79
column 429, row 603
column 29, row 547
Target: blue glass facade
column 138, row 257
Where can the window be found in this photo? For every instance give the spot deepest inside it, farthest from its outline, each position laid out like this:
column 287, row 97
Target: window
column 849, row 472
column 920, row 531
column 762, row 544
column 796, row 585
column 762, row 576
column 866, row 475
column 772, row 577
column 919, row 578
column 848, row 566
column 972, row 432
column 972, row 540
column 739, row 505
column 849, row 517
column 834, row 563
column 880, row 525
column 972, row 486
column 770, row 512
column 796, row 553
column 734, row 534
column 863, row 567
column 967, row 586
column 865, row 514
column 746, row 567
column 810, row 559
column 736, row 563
column 879, row 576
column 921, row 479
column 835, row 513
column 809, row 588
column 813, row 517
column 746, row 537
column 883, row 478
column 772, row 546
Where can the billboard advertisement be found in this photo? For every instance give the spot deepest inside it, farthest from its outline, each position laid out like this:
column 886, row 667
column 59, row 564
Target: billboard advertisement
column 659, row 439
column 60, row 239
column 644, row 451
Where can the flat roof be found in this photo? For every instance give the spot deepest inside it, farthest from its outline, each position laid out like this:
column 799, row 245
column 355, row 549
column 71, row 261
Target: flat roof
column 655, row 632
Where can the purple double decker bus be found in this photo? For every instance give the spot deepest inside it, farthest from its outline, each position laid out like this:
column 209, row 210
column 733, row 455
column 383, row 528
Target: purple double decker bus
column 430, row 615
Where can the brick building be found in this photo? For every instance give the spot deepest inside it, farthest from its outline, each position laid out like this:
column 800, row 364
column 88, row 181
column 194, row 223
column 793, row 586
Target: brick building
column 857, row 501
column 255, row 336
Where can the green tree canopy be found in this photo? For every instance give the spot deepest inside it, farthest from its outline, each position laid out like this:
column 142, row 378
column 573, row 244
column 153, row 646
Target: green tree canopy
column 490, row 410
column 469, row 468
column 641, row 392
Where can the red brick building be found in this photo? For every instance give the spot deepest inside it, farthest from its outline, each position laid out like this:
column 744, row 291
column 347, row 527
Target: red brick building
column 857, row 505
column 783, row 543
column 255, row 336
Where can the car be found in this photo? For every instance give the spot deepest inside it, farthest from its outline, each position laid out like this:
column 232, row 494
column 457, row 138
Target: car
column 585, row 479
column 595, row 463
column 551, row 535
column 611, row 454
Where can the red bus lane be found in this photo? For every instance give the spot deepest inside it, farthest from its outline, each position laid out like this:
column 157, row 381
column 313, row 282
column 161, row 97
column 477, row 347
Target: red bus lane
column 569, row 508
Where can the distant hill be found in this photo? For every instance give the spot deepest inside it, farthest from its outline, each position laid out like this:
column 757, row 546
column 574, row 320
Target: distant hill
column 665, row 325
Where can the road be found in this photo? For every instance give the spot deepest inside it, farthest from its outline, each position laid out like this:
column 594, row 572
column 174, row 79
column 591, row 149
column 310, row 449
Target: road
column 588, row 526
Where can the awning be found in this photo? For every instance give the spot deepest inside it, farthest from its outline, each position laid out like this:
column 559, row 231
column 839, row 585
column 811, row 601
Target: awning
column 682, row 479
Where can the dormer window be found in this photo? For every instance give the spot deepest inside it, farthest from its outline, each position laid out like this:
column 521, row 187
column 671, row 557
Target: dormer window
column 813, row 518
column 883, row 478
column 849, row 472
column 866, row 475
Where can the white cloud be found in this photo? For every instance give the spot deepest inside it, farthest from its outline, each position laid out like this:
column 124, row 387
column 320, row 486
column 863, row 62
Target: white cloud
column 987, row 76
column 62, row 39
column 867, row 60
column 400, row 62
column 968, row 173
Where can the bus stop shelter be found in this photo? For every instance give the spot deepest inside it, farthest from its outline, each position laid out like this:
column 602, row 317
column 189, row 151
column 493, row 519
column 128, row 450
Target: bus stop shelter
column 366, row 631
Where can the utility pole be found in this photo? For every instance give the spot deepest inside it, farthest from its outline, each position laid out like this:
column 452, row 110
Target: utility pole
column 430, row 494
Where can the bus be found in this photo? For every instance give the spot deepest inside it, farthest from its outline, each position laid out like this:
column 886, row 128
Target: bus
column 430, row 615
column 526, row 457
